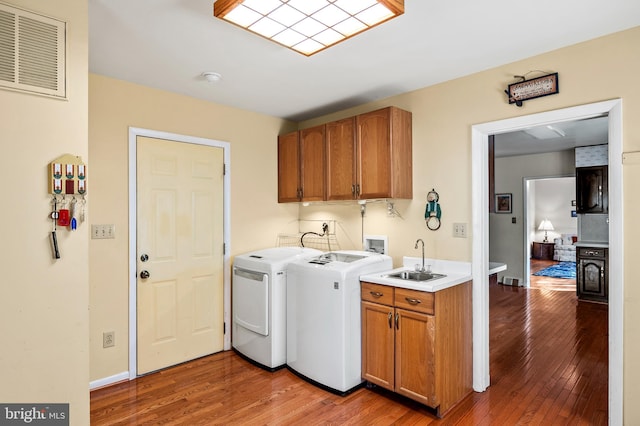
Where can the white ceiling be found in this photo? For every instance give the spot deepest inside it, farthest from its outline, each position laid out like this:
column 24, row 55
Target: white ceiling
column 557, row 137
column 167, row 44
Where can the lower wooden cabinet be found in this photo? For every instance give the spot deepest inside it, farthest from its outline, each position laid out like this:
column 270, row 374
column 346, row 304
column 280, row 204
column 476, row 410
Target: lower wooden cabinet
column 418, row 344
column 592, row 282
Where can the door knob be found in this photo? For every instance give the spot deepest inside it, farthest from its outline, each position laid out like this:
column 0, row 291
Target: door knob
column 144, row 274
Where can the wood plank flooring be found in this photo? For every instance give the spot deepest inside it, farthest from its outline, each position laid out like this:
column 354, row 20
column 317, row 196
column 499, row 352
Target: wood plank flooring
column 548, row 367
column 548, row 283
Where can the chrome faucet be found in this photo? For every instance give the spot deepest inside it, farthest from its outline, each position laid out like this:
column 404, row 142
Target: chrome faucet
column 419, row 240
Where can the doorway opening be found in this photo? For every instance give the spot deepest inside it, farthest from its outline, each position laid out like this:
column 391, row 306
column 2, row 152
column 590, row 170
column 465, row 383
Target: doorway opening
column 480, row 257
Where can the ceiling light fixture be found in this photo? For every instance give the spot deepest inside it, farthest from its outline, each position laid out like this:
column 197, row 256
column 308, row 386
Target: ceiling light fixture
column 211, row 76
column 307, row 26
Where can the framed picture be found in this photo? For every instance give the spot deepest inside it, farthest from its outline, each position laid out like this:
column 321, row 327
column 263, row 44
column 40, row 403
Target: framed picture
column 503, row 203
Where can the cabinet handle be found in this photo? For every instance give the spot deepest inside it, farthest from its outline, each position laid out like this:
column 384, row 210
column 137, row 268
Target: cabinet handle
column 397, row 321
column 390, row 317
column 376, row 294
column 358, row 190
column 602, row 273
column 413, row 301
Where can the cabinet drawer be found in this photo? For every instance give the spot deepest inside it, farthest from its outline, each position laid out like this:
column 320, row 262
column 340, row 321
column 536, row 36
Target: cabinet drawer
column 592, row 252
column 377, row 293
column 414, row 300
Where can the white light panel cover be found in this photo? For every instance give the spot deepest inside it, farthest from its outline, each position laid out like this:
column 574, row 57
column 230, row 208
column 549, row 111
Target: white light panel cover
column 308, row 26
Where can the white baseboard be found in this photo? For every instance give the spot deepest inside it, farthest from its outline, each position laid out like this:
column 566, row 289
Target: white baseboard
column 120, row 377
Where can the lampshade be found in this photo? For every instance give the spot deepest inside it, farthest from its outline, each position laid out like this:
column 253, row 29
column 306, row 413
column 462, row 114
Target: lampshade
column 307, row 26
column 545, row 225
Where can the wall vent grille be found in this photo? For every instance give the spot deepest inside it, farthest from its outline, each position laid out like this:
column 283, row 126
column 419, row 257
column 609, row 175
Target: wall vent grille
column 32, row 52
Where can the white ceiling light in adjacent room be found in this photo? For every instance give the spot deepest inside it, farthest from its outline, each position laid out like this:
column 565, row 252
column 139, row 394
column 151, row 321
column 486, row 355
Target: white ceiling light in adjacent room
column 307, row 26
column 545, row 132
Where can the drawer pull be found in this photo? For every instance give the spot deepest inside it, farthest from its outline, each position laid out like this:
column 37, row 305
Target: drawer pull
column 376, row 294
column 390, row 317
column 413, row 301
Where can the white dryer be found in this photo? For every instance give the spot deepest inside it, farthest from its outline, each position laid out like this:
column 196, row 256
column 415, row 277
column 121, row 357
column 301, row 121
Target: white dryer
column 259, row 304
column 323, row 316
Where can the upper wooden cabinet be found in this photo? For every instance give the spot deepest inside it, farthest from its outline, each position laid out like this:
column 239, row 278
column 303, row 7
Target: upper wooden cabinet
column 341, row 159
column 370, row 156
column 301, row 165
column 592, row 192
column 363, row 157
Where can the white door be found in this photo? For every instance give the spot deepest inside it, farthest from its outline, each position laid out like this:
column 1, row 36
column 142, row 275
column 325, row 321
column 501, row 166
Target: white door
column 180, row 313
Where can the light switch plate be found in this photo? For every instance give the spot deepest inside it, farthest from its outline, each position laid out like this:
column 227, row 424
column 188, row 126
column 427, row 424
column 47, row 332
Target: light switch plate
column 103, row 231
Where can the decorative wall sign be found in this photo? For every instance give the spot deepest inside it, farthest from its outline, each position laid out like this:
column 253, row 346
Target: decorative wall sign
column 533, row 88
column 67, row 176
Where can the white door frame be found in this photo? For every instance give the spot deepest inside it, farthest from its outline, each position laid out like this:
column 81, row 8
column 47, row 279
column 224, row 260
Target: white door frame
column 528, row 223
column 134, row 132
column 480, row 222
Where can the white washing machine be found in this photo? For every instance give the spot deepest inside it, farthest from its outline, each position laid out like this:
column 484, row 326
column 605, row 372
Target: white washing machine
column 323, row 316
column 259, row 304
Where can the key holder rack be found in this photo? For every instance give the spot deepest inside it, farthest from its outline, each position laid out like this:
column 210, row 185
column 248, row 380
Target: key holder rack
column 68, row 186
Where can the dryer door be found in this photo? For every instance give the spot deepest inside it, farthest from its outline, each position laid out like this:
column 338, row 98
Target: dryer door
column 251, row 300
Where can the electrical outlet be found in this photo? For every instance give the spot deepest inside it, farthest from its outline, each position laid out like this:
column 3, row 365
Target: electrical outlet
column 108, row 339
column 103, row 231
column 460, row 230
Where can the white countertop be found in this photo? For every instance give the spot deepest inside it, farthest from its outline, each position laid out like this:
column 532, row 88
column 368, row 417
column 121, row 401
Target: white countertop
column 455, row 273
column 591, row 244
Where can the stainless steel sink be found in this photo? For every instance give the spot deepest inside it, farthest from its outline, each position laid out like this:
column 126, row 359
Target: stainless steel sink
column 415, row 276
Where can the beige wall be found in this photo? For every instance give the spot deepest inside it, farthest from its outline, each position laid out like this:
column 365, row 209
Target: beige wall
column 601, row 69
column 506, row 239
column 598, row 70
column 44, row 302
column 115, row 105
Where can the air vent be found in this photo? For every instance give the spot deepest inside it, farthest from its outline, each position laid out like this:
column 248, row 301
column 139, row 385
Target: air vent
column 32, row 52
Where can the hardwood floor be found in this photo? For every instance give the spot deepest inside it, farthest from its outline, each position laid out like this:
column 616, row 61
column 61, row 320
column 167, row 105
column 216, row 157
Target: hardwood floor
column 548, row 283
column 548, row 367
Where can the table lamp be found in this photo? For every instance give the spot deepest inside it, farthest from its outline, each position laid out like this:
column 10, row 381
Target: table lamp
column 545, row 226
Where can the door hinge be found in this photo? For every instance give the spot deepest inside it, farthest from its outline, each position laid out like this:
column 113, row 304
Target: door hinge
column 224, row 328
column 224, row 248
column 224, row 169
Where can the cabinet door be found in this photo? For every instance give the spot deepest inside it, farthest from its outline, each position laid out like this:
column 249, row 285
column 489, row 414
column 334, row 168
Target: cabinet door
column 341, row 159
column 415, row 356
column 377, row 344
column 312, row 163
column 373, row 154
column 592, row 279
column 288, row 168
column 592, row 190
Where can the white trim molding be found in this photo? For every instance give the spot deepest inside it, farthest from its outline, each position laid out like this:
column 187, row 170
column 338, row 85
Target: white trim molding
column 108, row 381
